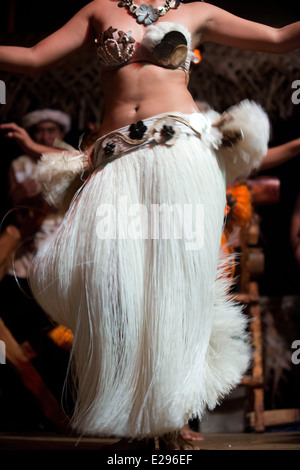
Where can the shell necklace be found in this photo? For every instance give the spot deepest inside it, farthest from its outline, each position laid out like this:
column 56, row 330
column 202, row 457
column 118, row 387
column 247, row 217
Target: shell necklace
column 147, row 14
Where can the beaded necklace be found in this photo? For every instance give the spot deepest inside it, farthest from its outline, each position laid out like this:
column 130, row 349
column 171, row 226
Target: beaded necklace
column 147, row 14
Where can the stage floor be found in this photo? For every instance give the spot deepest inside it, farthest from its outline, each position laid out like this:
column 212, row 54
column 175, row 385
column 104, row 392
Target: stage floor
column 245, row 441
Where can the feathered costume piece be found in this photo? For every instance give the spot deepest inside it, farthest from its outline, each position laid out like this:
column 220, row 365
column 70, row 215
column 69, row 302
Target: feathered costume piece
column 60, row 174
column 136, row 271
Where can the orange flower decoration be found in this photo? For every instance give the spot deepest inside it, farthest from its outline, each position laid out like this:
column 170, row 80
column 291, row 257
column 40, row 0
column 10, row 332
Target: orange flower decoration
column 238, row 207
column 197, row 55
column 227, row 250
column 62, row 337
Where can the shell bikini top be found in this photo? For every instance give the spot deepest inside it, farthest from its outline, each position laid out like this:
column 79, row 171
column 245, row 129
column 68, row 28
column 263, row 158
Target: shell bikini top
column 164, row 44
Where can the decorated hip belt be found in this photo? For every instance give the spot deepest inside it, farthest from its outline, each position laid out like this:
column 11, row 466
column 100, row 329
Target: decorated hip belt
column 160, row 130
column 163, row 129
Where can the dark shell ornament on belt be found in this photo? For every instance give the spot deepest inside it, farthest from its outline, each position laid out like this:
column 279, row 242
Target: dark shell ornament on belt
column 137, row 131
column 167, row 132
column 109, row 148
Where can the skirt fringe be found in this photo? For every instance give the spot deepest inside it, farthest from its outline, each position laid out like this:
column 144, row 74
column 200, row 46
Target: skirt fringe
column 157, row 340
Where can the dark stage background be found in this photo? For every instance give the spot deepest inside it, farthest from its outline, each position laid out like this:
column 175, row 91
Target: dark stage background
column 35, row 15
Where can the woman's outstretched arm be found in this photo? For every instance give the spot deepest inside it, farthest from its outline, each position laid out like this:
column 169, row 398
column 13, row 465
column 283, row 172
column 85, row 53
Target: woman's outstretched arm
column 280, row 154
column 47, row 52
column 222, row 27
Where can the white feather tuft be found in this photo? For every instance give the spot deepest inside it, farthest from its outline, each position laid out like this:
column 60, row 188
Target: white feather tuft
column 56, row 173
column 246, row 154
column 155, row 33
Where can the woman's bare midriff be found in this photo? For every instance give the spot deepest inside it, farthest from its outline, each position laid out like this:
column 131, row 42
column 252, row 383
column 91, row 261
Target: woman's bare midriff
column 138, row 91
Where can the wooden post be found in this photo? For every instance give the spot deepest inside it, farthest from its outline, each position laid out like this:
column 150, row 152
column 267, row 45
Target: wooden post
column 9, row 240
column 257, row 369
column 20, row 361
column 252, row 265
column 265, row 190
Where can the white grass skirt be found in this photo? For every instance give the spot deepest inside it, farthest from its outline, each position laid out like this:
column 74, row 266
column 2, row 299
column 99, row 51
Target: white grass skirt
column 156, row 339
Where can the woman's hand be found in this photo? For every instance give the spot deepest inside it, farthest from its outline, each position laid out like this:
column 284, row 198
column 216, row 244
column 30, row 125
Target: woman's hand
column 26, row 143
column 20, row 136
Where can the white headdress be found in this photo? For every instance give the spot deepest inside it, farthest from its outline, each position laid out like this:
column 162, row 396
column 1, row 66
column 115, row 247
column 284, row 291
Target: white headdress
column 46, row 114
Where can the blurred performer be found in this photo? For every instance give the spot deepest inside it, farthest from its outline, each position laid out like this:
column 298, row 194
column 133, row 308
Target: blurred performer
column 43, row 131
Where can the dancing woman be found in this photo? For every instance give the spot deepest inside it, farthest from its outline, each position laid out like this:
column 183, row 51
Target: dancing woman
column 157, row 341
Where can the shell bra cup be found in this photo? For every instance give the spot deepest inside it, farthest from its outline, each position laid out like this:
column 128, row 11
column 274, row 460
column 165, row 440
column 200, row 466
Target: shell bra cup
column 164, row 44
